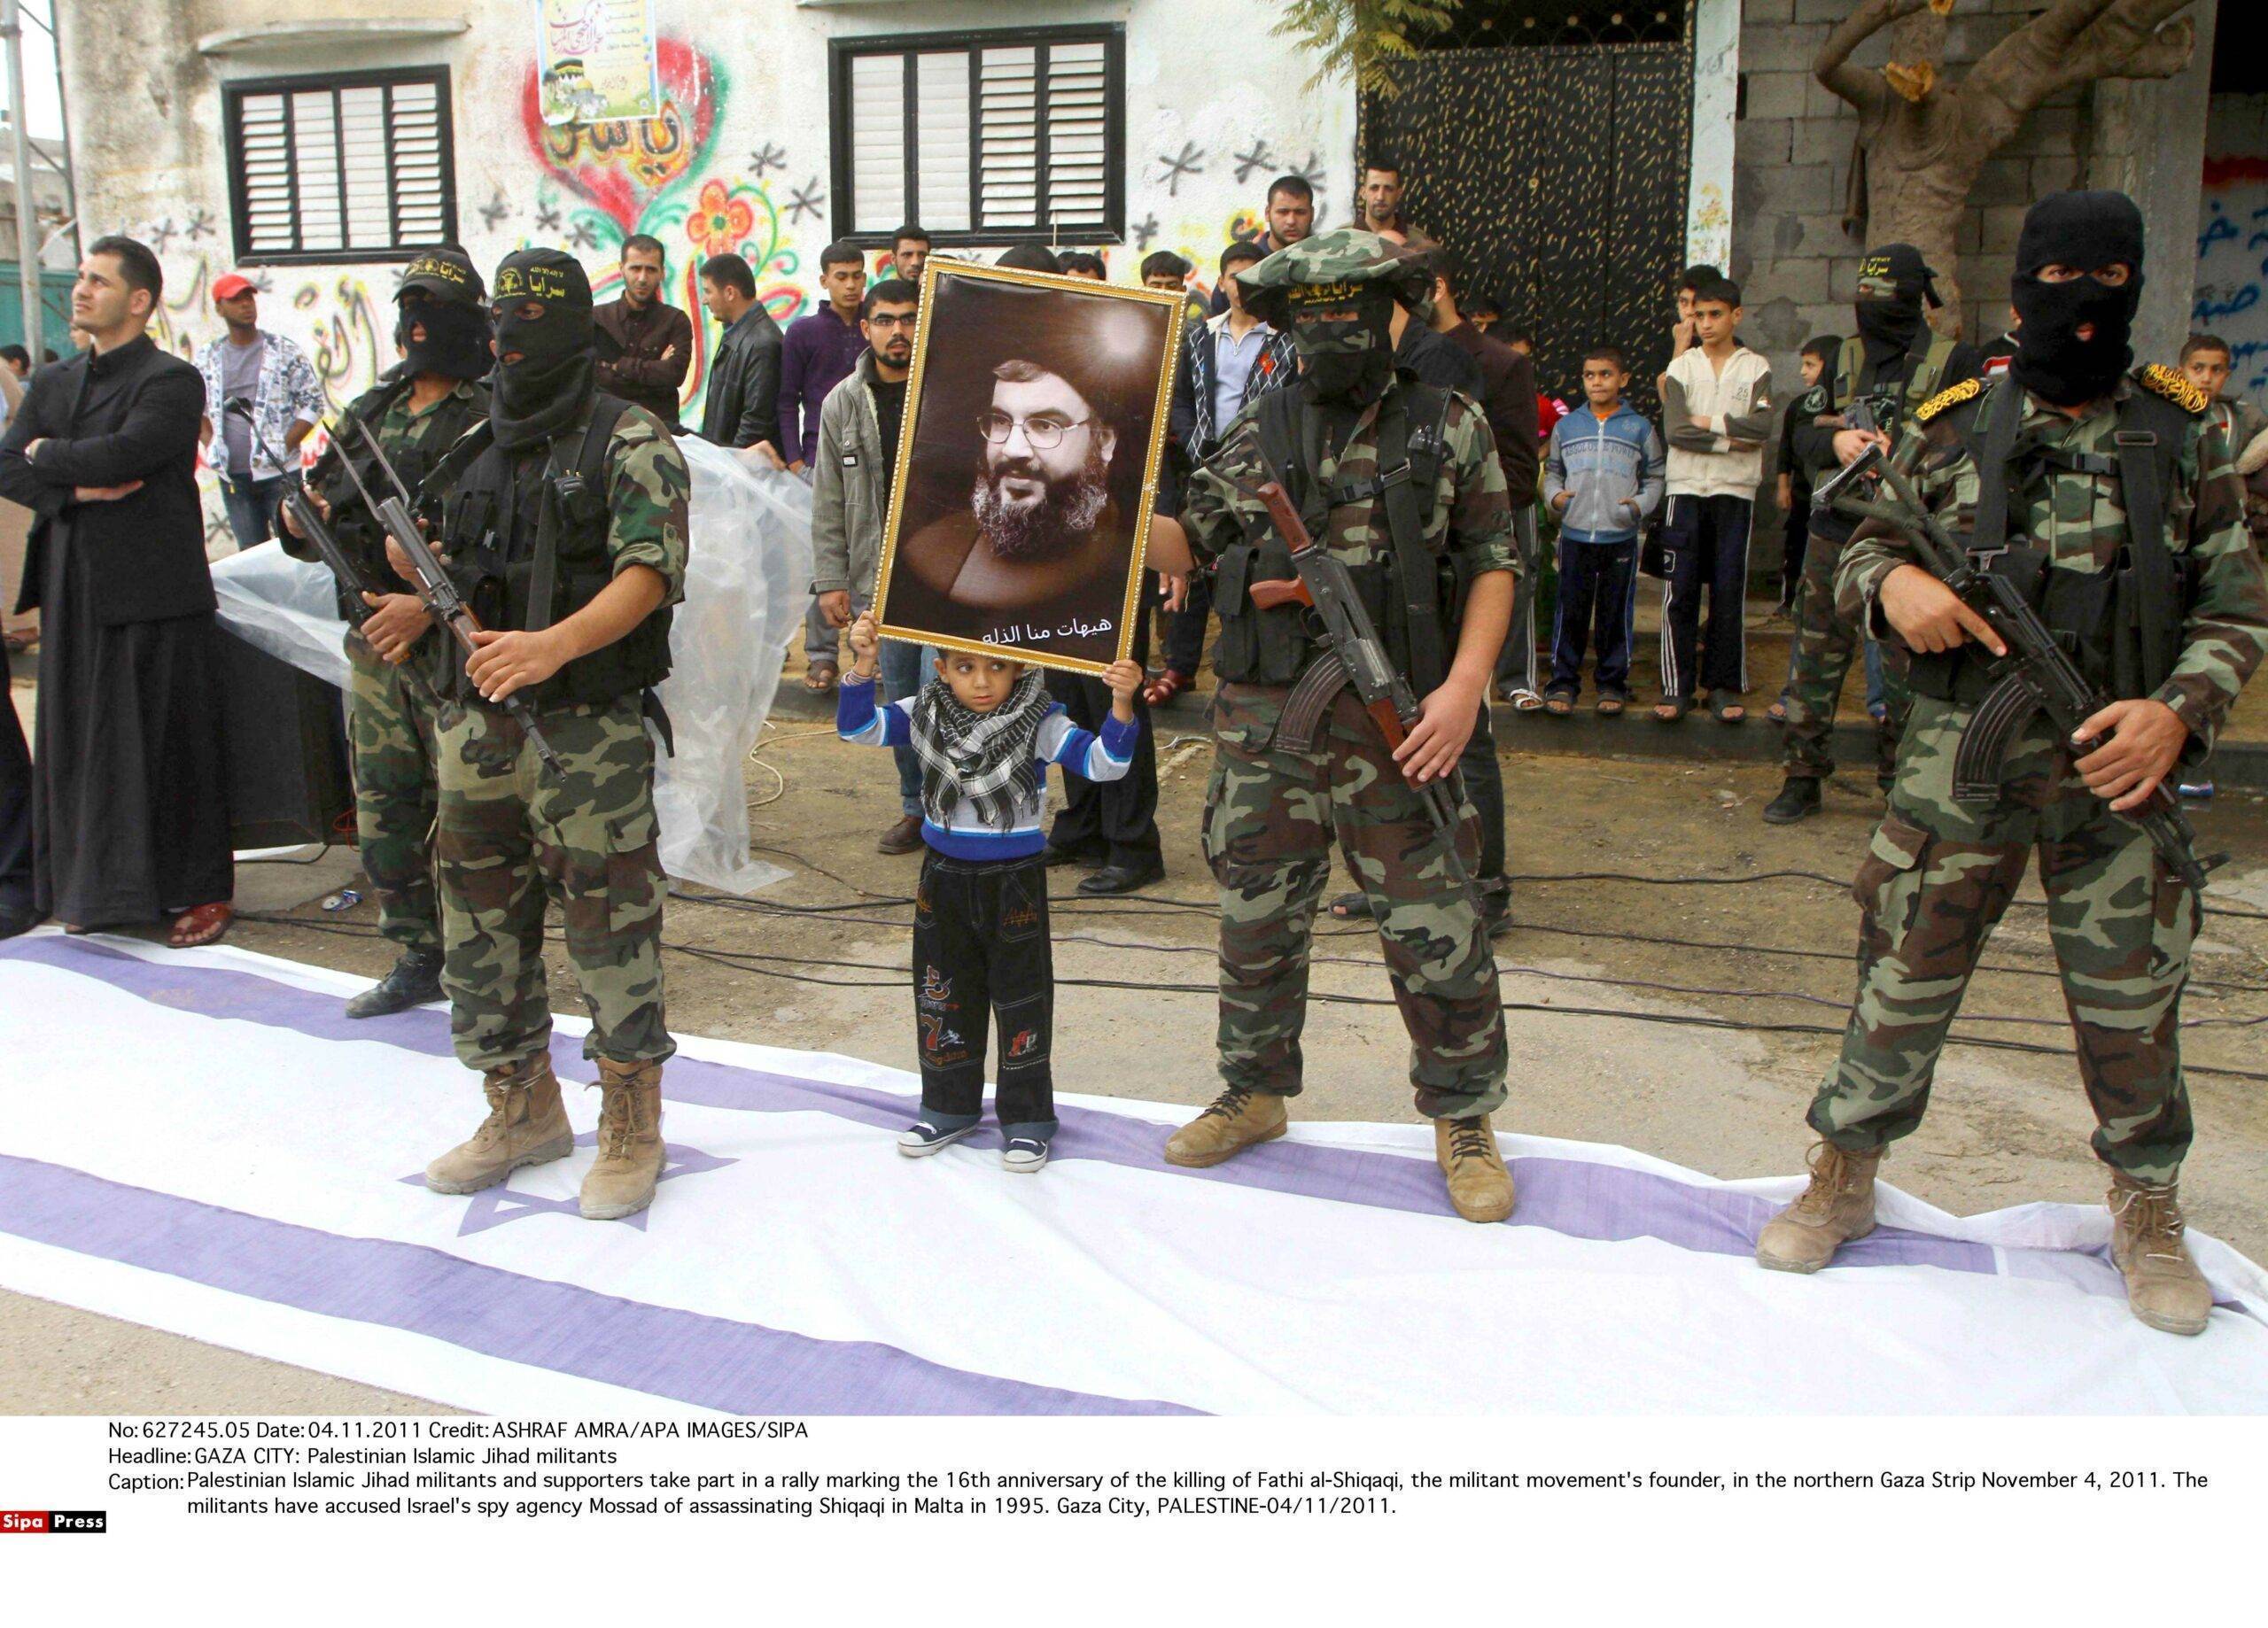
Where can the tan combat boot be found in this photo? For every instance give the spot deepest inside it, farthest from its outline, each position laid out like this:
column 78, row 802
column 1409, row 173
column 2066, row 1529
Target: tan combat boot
column 2163, row 1286
column 1837, row 1207
column 525, row 1126
column 630, row 1141
column 1239, row 1118
column 1479, row 1186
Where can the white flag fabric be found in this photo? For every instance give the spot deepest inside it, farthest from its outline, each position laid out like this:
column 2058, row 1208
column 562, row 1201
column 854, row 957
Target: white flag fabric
column 202, row 1142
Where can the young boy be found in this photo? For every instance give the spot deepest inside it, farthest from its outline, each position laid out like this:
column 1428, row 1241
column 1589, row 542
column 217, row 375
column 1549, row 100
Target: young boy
column 1818, row 362
column 1603, row 475
column 1717, row 411
column 985, row 730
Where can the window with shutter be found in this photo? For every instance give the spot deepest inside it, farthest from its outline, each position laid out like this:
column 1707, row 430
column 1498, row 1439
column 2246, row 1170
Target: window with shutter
column 352, row 167
column 981, row 137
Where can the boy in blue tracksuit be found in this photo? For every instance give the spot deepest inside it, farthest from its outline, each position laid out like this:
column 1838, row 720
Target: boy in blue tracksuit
column 984, row 730
column 1602, row 475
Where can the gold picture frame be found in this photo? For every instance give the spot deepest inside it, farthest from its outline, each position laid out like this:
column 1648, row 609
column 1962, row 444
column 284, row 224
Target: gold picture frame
column 912, row 484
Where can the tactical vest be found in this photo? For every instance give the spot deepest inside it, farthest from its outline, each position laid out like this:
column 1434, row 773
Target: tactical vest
column 2121, row 626
column 526, row 536
column 1412, row 600
column 1924, row 379
column 357, row 529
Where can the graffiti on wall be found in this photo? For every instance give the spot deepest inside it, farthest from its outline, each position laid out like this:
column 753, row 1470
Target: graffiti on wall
column 2231, row 299
column 608, row 182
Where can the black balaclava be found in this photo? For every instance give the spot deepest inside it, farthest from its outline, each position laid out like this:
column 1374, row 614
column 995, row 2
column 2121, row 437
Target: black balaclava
column 545, row 393
column 1344, row 334
column 1893, row 282
column 441, row 292
column 2086, row 231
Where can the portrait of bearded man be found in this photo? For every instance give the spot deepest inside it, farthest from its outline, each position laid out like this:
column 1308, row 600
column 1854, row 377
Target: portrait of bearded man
column 1020, row 522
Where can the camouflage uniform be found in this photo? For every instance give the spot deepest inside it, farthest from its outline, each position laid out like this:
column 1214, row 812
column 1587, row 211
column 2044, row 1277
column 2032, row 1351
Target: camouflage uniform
column 1938, row 873
column 1270, row 812
column 390, row 729
column 510, row 836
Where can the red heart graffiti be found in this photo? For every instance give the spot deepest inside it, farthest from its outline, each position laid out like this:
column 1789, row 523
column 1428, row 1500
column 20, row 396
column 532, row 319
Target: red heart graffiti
column 623, row 165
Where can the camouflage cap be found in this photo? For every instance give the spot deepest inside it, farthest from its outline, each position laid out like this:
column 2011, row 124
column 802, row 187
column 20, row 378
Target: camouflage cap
column 1346, row 256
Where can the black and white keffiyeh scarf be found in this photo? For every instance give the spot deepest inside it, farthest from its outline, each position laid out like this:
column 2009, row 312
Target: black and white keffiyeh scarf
column 980, row 758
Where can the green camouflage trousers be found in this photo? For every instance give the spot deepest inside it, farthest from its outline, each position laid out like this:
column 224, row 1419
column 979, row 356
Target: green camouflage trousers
column 394, row 796
column 1269, row 817
column 1825, row 644
column 510, row 837
column 1936, row 880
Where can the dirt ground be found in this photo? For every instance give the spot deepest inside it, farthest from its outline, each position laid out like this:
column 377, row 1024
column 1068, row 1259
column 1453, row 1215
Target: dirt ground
column 2004, row 1128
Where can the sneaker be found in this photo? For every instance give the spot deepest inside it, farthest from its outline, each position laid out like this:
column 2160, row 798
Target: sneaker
column 1024, row 1154
column 924, row 1137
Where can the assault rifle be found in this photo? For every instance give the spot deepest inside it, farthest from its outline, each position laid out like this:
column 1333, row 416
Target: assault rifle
column 1355, row 656
column 433, row 583
column 326, row 545
column 2035, row 676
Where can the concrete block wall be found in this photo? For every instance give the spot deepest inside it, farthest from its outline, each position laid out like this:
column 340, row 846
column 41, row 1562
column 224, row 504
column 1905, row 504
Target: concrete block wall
column 1796, row 265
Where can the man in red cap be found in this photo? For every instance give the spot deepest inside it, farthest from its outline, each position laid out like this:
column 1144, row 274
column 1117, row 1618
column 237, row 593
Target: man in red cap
column 287, row 402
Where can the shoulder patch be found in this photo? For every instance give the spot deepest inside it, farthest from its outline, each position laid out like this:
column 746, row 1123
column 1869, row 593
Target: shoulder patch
column 2161, row 380
column 1967, row 389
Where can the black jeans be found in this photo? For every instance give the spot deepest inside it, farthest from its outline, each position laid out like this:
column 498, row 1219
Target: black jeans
column 15, row 812
column 1118, row 819
column 981, row 947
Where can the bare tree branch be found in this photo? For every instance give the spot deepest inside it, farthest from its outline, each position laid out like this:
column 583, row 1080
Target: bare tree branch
column 1861, row 87
column 2059, row 25
column 2115, row 49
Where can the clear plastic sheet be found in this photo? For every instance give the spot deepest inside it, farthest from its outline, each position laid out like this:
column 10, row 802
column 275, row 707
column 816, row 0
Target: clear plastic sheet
column 747, row 585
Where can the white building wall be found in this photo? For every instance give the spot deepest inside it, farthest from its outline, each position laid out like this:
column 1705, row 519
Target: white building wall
column 1215, row 108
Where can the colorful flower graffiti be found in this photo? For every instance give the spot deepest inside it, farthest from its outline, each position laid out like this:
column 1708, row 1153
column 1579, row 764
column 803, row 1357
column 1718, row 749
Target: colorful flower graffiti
column 634, row 176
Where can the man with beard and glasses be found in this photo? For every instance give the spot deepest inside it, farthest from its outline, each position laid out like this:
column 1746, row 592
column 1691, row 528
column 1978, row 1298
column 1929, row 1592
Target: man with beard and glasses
column 2115, row 502
column 563, row 522
column 1894, row 363
column 851, row 482
column 1041, row 547
column 1399, row 480
column 418, row 411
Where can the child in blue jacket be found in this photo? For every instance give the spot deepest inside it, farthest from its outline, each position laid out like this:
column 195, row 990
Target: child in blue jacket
column 1602, row 475
column 986, row 729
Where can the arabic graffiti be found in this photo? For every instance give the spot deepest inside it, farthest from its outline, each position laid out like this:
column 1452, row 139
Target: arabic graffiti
column 2232, row 297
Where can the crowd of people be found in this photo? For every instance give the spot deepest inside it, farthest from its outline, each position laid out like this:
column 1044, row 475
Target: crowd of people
column 503, row 764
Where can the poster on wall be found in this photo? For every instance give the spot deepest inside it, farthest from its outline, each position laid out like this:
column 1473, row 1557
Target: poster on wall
column 1035, row 419
column 597, row 60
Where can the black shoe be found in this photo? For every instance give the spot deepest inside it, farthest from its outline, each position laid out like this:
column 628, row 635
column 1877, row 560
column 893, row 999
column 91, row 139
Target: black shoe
column 13, row 922
column 415, row 980
column 1070, row 854
column 1798, row 798
column 1122, row 877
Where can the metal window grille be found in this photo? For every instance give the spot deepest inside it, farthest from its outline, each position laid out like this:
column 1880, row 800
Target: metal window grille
column 1481, row 24
column 340, row 168
column 978, row 136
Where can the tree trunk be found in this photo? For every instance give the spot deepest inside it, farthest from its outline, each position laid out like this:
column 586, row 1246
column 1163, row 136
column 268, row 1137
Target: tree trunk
column 1911, row 199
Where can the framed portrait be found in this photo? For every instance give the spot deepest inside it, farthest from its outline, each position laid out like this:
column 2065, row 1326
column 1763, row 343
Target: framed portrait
column 1027, row 464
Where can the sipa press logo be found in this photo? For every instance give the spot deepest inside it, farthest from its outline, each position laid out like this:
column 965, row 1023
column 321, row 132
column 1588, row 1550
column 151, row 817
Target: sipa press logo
column 27, row 1521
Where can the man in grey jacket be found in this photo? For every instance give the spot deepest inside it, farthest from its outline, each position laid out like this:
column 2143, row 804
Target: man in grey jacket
column 852, row 478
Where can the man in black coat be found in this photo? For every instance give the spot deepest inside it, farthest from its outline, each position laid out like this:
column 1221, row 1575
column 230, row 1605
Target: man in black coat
column 129, row 803
column 741, row 408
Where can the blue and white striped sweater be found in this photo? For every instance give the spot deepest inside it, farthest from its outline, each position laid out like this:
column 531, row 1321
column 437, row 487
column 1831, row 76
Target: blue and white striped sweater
column 1105, row 756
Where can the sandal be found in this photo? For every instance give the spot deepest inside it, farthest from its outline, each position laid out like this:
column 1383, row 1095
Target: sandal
column 1352, row 907
column 820, row 676
column 208, row 924
column 1559, row 706
column 1611, row 706
column 1777, row 712
column 1728, row 711
column 1524, row 699
column 1672, row 712
column 1166, row 685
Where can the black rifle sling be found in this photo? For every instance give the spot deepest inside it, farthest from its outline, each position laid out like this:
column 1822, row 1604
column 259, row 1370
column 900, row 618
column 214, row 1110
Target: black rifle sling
column 2149, row 436
column 1415, row 566
column 2002, row 414
column 543, row 570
